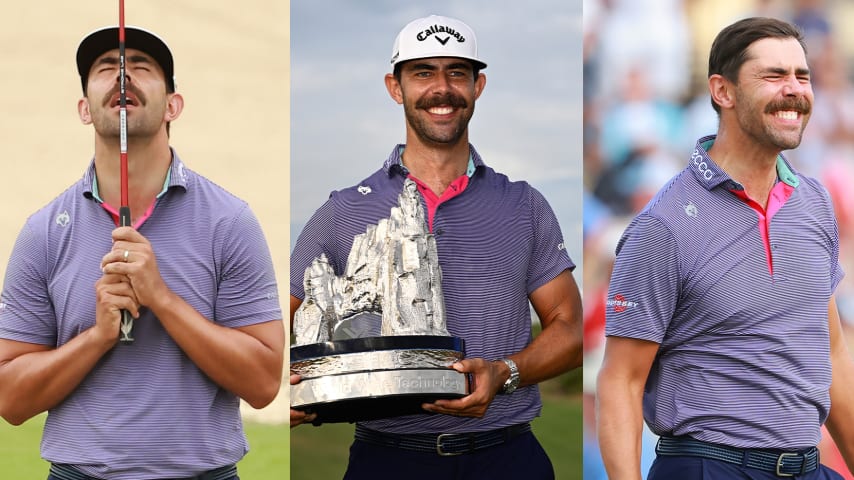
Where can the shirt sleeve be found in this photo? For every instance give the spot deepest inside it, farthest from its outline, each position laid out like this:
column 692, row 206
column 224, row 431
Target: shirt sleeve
column 837, row 273
column 316, row 238
column 645, row 285
column 26, row 311
column 247, row 293
column 549, row 257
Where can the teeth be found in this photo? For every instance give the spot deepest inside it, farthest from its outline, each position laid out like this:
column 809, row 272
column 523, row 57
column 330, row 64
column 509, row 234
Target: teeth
column 787, row 115
column 441, row 110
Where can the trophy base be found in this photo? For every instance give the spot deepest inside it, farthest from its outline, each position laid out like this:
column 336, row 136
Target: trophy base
column 376, row 377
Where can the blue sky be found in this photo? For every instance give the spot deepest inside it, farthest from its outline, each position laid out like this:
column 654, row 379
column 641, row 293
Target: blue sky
column 527, row 123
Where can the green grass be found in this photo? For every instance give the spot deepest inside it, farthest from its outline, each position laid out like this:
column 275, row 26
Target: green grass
column 19, row 450
column 269, row 453
column 320, row 453
column 268, row 458
column 560, row 432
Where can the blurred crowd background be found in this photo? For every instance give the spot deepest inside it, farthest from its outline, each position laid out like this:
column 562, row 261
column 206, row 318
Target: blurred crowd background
column 646, row 103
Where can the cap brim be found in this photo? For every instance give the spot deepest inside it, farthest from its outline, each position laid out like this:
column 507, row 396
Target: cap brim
column 477, row 63
column 103, row 40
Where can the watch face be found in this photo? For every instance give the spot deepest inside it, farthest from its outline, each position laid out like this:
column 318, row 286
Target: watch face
column 513, row 382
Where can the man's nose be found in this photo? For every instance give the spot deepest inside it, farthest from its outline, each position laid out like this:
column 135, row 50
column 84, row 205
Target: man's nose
column 795, row 87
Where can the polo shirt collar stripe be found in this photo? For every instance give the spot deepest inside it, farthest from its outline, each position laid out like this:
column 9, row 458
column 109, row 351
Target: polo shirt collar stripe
column 394, row 162
column 175, row 177
column 710, row 175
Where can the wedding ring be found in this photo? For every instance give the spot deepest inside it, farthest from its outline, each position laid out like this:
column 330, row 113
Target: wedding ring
column 126, row 255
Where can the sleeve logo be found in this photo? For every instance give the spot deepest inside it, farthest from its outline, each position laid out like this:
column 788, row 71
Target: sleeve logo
column 620, row 303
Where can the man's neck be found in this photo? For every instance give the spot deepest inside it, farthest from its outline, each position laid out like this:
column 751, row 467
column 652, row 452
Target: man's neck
column 753, row 166
column 436, row 167
column 148, row 164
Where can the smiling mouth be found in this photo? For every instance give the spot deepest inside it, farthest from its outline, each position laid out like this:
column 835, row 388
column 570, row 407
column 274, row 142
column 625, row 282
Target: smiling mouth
column 441, row 110
column 787, row 114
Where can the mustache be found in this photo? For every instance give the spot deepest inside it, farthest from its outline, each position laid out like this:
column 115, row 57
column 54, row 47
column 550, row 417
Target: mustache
column 448, row 99
column 140, row 97
column 800, row 105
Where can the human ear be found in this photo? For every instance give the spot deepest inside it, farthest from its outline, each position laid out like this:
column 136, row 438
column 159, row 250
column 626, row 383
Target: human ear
column 722, row 91
column 83, row 111
column 393, row 87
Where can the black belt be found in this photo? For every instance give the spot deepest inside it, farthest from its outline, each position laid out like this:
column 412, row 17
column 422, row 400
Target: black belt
column 68, row 472
column 445, row 444
column 779, row 462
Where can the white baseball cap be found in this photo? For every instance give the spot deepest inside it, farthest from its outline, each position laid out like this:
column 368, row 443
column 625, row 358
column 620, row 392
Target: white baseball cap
column 435, row 36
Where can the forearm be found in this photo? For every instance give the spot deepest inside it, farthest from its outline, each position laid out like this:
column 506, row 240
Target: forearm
column 239, row 362
column 36, row 381
column 619, row 421
column 841, row 417
column 556, row 350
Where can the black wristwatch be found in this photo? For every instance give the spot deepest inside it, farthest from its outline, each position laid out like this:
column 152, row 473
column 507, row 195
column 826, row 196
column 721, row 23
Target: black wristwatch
column 512, row 383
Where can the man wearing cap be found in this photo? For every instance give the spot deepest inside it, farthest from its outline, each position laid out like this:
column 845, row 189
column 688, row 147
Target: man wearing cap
column 722, row 328
column 194, row 271
column 499, row 246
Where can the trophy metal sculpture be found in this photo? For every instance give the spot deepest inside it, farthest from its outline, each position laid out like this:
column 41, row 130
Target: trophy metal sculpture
column 373, row 343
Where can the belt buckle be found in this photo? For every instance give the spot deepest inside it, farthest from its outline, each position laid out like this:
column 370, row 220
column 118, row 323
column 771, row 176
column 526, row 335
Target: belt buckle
column 780, row 464
column 439, row 448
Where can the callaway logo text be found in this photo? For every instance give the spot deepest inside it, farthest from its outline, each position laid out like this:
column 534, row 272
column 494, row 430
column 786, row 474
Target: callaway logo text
column 425, row 34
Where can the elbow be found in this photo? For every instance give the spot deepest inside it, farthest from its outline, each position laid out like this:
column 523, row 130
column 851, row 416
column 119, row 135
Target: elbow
column 576, row 355
column 15, row 420
column 574, row 350
column 264, row 394
column 12, row 416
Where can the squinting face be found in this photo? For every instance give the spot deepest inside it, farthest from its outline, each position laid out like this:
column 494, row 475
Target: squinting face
column 773, row 96
column 145, row 88
column 438, row 98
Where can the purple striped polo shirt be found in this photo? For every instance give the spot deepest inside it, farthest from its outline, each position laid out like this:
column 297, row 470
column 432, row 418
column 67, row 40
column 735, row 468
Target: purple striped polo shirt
column 744, row 352
column 145, row 411
column 498, row 241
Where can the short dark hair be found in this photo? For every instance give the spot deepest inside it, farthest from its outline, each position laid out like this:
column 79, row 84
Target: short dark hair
column 729, row 50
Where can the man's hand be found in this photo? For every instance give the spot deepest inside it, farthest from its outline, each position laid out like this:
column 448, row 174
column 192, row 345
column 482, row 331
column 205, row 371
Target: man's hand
column 113, row 293
column 489, row 377
column 298, row 417
column 133, row 257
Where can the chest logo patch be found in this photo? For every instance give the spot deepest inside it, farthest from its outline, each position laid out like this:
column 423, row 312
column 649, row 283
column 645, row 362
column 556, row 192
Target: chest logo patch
column 691, row 210
column 364, row 189
column 63, row 219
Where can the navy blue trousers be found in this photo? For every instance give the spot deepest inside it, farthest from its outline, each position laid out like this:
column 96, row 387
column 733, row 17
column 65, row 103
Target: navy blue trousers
column 521, row 457
column 694, row 468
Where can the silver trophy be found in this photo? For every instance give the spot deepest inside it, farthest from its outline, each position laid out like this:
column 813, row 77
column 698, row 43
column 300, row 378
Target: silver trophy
column 373, row 342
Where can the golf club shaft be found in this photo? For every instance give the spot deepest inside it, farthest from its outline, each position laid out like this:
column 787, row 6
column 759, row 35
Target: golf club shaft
column 124, row 209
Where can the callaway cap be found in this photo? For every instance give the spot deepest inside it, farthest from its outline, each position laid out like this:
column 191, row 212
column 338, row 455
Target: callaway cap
column 435, row 36
column 105, row 39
